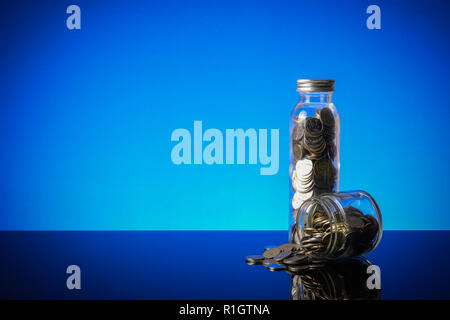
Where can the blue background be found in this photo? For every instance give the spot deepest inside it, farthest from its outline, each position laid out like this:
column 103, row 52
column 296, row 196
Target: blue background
column 86, row 115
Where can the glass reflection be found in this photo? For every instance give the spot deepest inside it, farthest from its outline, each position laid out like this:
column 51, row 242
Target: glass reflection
column 346, row 280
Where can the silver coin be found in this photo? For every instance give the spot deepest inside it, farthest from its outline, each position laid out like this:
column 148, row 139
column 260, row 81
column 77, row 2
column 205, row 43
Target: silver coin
column 282, row 255
column 256, row 258
column 266, row 262
column 269, row 254
column 304, row 168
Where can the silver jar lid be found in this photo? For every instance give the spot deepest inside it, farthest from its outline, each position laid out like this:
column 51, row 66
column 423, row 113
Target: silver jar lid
column 319, row 85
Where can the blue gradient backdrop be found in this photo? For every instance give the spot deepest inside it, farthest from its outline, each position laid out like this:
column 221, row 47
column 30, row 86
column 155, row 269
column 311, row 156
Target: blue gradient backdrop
column 86, row 116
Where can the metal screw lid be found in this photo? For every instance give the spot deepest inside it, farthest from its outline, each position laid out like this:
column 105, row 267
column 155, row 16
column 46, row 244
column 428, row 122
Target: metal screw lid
column 318, row 85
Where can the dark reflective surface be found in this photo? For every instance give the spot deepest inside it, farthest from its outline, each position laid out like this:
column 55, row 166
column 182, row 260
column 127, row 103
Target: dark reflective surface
column 345, row 280
column 203, row 265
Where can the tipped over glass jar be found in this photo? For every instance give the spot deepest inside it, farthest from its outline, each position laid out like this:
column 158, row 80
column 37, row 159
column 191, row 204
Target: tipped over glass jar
column 337, row 225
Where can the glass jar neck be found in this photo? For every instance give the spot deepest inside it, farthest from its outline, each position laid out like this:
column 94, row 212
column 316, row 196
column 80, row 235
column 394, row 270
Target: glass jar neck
column 315, row 97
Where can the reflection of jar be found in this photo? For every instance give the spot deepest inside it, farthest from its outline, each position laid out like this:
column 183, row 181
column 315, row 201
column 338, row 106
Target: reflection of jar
column 338, row 281
column 314, row 143
column 338, row 225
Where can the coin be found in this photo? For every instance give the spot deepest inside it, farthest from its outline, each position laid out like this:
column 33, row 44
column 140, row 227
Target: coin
column 269, row 247
column 270, row 253
column 289, row 247
column 314, row 142
column 303, row 167
column 275, row 267
column 309, row 230
column 297, row 259
column 317, row 266
column 313, row 127
column 355, row 222
column 255, row 258
column 301, row 117
column 295, row 268
column 299, row 198
column 327, row 117
column 282, row 255
column 266, row 262
column 302, row 185
column 299, row 152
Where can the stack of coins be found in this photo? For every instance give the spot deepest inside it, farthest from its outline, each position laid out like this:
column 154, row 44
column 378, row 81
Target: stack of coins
column 319, row 241
column 314, row 152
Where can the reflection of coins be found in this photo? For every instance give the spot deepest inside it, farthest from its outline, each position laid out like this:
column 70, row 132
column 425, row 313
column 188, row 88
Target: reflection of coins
column 275, row 267
column 355, row 222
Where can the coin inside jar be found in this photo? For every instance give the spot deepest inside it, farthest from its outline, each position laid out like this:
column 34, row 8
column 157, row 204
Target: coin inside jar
column 313, row 127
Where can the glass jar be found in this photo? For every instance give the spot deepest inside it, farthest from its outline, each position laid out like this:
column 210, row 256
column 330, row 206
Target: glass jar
column 338, row 225
column 344, row 280
column 314, row 143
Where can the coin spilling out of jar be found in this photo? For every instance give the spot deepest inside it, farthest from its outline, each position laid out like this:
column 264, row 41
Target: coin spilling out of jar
column 329, row 227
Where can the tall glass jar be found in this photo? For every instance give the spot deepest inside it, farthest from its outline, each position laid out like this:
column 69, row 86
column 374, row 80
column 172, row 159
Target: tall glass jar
column 314, row 144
